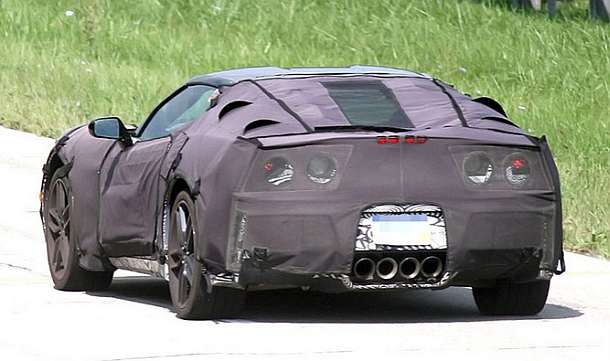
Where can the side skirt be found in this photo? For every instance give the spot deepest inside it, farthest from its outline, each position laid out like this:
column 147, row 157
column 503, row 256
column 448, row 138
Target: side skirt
column 153, row 268
column 141, row 265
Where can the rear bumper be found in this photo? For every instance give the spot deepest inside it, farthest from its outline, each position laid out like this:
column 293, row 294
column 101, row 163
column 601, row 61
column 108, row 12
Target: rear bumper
column 283, row 243
column 253, row 277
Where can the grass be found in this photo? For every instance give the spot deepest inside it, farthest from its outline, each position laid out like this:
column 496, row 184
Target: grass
column 122, row 57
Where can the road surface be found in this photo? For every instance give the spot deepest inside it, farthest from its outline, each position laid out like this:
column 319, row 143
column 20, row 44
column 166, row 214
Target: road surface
column 133, row 320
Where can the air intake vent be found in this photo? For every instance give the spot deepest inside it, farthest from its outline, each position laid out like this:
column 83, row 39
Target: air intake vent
column 232, row 106
column 258, row 124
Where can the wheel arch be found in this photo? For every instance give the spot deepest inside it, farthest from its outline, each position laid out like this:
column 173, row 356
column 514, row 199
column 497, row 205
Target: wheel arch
column 52, row 165
column 55, row 161
column 176, row 184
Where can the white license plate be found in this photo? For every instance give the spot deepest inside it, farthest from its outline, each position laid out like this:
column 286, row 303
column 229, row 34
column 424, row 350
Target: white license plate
column 401, row 229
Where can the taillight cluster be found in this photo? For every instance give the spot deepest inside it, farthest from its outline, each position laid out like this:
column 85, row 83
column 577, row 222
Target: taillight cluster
column 479, row 168
column 321, row 169
column 309, row 167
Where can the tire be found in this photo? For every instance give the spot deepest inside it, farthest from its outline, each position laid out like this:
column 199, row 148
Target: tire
column 192, row 297
column 512, row 299
column 62, row 256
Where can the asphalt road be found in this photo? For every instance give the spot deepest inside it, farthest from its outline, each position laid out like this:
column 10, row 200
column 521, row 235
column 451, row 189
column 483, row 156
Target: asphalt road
column 133, row 320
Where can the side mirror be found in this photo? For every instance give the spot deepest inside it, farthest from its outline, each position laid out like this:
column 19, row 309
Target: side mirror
column 132, row 129
column 110, row 128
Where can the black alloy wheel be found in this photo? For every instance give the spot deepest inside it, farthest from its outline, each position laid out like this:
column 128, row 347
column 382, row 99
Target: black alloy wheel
column 512, row 299
column 62, row 258
column 58, row 224
column 191, row 295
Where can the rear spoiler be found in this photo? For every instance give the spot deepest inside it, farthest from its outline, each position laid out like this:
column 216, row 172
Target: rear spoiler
column 481, row 135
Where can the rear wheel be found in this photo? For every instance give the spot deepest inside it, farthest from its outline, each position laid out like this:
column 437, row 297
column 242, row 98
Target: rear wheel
column 61, row 243
column 191, row 295
column 512, row 299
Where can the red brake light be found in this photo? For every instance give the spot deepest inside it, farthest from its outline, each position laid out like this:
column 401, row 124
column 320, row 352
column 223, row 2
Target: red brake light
column 518, row 163
column 409, row 139
column 517, row 169
column 394, row 139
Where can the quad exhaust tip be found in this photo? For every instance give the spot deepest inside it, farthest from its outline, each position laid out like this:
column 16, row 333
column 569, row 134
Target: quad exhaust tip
column 364, row 268
column 431, row 267
column 409, row 268
column 387, row 268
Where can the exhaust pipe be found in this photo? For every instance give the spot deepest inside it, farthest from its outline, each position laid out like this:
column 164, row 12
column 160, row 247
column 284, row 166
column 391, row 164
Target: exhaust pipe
column 431, row 267
column 364, row 268
column 409, row 268
column 387, row 268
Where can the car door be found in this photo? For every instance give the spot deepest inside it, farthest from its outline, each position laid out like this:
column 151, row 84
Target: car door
column 130, row 175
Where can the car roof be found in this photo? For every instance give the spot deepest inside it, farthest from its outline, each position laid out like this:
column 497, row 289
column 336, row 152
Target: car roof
column 230, row 77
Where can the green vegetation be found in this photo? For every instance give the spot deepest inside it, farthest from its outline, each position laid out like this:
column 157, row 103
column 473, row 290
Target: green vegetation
column 122, row 57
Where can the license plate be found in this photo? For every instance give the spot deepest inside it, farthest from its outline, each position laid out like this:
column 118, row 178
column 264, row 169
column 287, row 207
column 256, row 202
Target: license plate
column 401, row 229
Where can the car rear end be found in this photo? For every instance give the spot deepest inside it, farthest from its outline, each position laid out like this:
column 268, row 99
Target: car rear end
column 344, row 211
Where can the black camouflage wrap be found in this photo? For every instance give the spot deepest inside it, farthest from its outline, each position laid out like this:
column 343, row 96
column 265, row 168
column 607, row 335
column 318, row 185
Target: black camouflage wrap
column 121, row 193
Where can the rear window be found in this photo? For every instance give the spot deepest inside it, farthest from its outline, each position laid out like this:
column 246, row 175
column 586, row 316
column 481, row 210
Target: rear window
column 367, row 102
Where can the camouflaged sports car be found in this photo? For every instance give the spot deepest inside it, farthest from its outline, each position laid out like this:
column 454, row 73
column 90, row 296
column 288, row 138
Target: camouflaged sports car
column 330, row 179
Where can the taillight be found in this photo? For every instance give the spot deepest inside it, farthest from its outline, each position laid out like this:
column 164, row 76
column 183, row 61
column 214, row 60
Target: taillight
column 487, row 167
column 321, row 169
column 310, row 167
column 517, row 169
column 278, row 171
column 478, row 168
